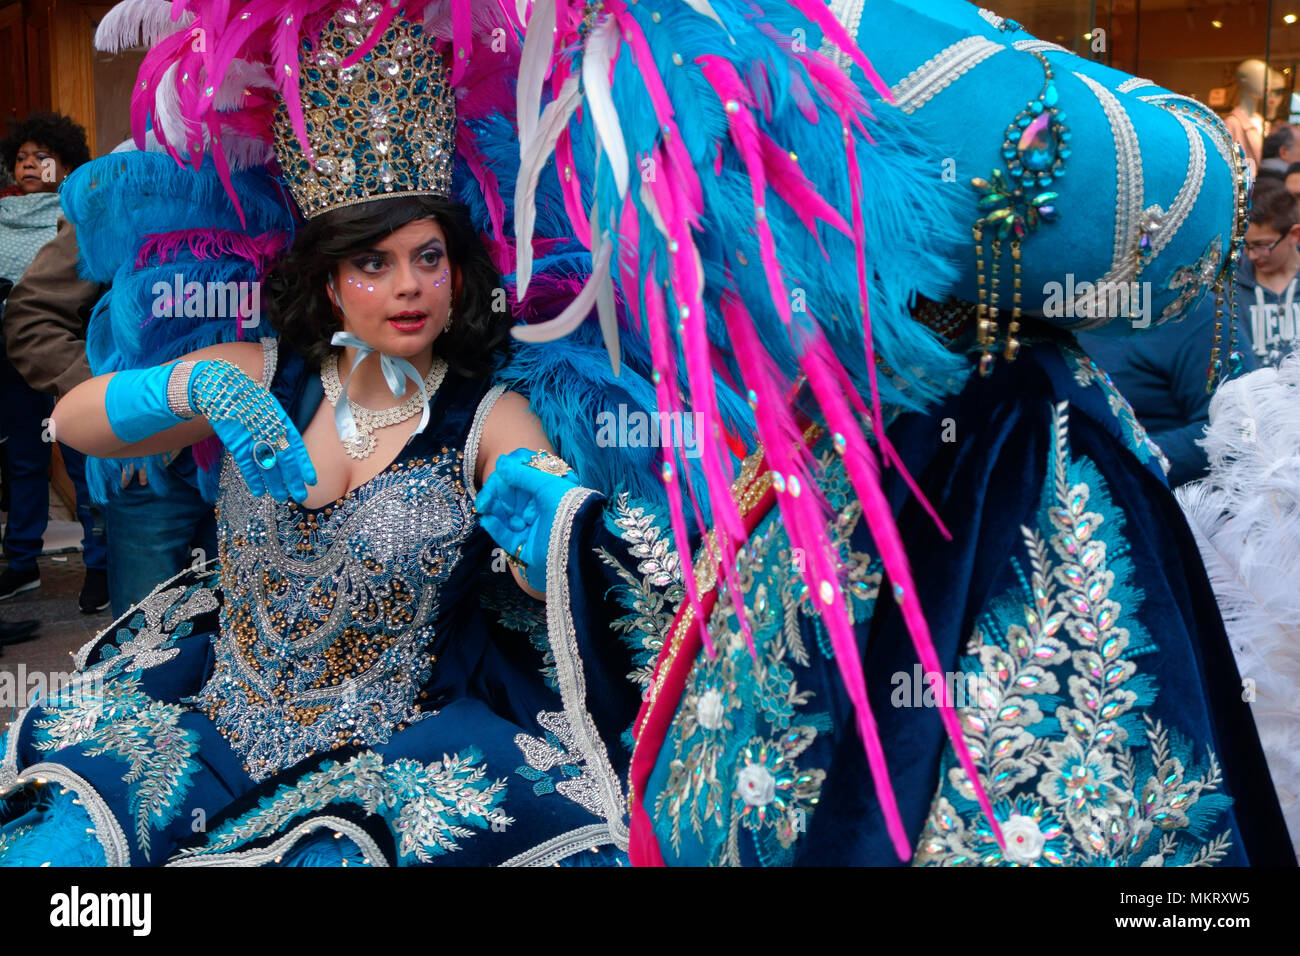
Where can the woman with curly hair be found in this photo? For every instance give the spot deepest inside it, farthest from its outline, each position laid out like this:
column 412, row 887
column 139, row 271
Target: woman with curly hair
column 39, row 152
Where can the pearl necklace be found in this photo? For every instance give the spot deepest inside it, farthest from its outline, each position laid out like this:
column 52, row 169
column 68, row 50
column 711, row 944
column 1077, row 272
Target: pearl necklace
column 368, row 419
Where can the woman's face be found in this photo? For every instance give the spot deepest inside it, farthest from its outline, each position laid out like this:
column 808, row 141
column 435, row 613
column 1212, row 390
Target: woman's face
column 396, row 296
column 37, row 169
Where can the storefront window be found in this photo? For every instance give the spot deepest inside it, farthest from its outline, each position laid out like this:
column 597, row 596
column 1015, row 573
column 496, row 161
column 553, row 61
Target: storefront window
column 1193, row 47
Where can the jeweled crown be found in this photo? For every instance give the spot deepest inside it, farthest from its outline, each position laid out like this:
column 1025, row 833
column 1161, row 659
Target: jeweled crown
column 383, row 126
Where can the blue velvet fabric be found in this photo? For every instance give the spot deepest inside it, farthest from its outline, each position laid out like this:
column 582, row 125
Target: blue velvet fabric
column 1065, row 543
column 494, row 769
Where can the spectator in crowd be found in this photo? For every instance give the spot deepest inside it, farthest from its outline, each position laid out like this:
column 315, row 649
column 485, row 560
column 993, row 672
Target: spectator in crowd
column 149, row 535
column 1292, row 180
column 11, row 632
column 1162, row 373
column 1266, row 276
column 1281, row 148
column 40, row 151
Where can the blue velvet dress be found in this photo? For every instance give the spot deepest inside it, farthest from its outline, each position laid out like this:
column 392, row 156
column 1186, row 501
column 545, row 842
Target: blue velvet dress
column 360, row 683
column 1095, row 686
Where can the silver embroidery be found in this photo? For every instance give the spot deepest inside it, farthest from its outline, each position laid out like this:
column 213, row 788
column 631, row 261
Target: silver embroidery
column 426, row 805
column 564, row 845
column 1035, row 45
column 1131, row 219
column 584, row 790
column 270, row 854
column 930, row 78
column 994, row 20
column 849, row 14
column 568, row 664
column 327, row 620
column 1202, row 116
column 106, row 828
column 270, row 354
column 1133, row 83
column 476, row 436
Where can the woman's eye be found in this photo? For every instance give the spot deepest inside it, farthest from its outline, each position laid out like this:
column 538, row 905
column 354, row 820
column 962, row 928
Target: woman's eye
column 371, row 264
column 431, row 257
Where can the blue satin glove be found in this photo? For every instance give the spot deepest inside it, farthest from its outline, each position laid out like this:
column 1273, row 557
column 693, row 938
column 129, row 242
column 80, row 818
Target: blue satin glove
column 517, row 508
column 249, row 421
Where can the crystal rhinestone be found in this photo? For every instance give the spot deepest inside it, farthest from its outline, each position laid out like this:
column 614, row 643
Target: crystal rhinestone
column 389, row 68
column 348, row 170
column 347, row 74
column 382, row 142
column 326, row 166
column 403, row 47
column 379, row 115
column 386, row 175
column 371, row 11
column 348, row 16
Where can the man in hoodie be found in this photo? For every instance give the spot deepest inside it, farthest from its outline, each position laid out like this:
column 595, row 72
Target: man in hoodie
column 1267, row 275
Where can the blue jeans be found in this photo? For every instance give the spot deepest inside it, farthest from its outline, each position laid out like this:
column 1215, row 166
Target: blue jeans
column 23, row 424
column 152, row 538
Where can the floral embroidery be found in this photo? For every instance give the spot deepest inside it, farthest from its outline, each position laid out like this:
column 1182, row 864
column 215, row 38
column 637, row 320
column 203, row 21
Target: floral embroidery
column 558, row 749
column 1087, row 372
column 157, row 623
column 1093, row 786
column 11, row 839
column 744, row 726
column 655, row 595
column 426, row 806
column 520, row 612
column 128, row 725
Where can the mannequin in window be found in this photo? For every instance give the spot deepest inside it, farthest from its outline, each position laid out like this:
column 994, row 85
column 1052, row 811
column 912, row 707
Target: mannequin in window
column 1249, row 120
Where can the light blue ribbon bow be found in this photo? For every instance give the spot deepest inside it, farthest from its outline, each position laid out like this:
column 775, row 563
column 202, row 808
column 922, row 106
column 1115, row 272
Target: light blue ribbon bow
column 396, row 372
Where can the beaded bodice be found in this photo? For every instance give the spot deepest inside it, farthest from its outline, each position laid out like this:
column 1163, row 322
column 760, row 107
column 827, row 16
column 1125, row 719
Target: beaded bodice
column 330, row 615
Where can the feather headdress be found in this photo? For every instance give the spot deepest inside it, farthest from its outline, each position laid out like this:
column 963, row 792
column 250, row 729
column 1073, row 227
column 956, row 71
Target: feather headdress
column 758, row 220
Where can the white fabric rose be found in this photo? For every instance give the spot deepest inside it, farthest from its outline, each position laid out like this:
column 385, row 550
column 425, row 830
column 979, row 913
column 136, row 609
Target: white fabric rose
column 1023, row 839
column 709, row 709
column 756, row 784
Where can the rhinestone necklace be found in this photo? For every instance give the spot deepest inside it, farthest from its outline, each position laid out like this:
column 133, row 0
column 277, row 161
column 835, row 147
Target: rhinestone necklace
column 368, row 419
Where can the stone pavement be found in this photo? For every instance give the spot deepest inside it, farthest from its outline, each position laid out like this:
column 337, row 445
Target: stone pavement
column 64, row 629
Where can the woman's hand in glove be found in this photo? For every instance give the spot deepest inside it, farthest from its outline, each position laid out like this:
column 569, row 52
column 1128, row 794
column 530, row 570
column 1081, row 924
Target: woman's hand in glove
column 249, row 421
column 517, row 507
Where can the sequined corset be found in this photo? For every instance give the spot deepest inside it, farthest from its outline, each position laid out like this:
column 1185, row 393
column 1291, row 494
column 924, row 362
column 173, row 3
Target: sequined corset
column 328, row 619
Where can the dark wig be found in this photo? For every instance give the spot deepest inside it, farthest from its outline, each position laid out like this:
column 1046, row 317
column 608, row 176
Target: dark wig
column 300, row 310
column 61, row 135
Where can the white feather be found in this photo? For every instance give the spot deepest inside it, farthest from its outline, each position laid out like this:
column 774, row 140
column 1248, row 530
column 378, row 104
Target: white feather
column 533, row 157
column 138, row 23
column 600, row 102
column 534, row 63
column 1246, row 518
column 577, row 311
column 167, row 110
column 706, row 9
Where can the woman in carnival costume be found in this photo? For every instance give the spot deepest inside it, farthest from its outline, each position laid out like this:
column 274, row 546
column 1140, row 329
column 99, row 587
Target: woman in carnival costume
column 950, row 614
column 357, row 681
column 725, row 169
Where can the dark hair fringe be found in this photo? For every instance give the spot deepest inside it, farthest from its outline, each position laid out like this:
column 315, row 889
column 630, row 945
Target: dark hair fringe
column 300, row 310
column 60, row 134
column 1271, row 205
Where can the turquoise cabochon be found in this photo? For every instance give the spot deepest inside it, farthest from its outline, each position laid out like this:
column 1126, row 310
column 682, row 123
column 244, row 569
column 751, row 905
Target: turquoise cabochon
column 1139, row 154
